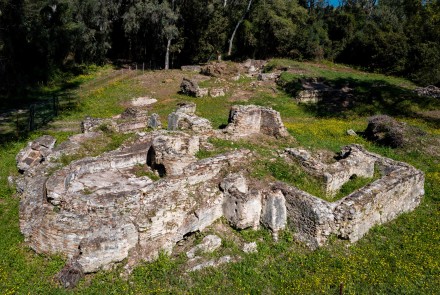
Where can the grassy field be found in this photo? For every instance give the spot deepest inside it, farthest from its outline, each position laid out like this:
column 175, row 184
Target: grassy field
column 401, row 257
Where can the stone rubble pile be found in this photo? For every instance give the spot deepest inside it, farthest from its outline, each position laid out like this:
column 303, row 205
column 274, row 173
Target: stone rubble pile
column 430, row 90
column 131, row 120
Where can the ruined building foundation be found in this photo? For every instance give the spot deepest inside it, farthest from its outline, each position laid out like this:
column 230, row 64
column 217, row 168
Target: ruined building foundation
column 98, row 211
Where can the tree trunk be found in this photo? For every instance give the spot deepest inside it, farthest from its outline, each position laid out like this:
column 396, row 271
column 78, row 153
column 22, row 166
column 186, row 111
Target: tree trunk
column 231, row 40
column 167, row 55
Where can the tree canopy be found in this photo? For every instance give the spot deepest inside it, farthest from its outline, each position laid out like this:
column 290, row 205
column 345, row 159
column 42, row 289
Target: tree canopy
column 40, row 37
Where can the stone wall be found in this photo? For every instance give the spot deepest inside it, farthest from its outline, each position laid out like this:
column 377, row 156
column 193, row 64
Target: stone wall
column 400, row 189
column 245, row 120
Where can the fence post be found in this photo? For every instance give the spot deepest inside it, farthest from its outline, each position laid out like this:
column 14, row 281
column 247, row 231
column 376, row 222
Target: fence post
column 32, row 117
column 143, row 67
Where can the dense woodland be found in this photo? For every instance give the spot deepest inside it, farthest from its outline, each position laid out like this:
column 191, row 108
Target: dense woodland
column 39, row 39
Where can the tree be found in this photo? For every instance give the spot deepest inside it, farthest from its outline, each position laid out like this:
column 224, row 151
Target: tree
column 231, row 40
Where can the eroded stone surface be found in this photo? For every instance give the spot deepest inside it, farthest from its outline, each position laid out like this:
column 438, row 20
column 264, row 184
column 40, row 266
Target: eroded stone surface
column 185, row 119
column 241, row 207
column 354, row 162
column 36, row 152
column 251, row 119
column 209, row 244
column 98, row 212
column 274, row 213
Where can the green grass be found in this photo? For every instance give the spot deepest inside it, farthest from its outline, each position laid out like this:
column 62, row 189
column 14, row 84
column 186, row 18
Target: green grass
column 356, row 183
column 400, row 257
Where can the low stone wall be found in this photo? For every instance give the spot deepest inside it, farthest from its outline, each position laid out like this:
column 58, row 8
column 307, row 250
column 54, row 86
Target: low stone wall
column 354, row 162
column 400, row 189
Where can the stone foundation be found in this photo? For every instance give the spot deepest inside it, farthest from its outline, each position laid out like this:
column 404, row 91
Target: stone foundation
column 400, row 189
column 99, row 211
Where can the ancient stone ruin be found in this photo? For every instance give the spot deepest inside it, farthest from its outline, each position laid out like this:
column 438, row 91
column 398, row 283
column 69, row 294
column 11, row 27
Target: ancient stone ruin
column 191, row 87
column 386, row 130
column 132, row 119
column 250, row 119
column 98, row 211
column 399, row 189
column 314, row 90
column 184, row 118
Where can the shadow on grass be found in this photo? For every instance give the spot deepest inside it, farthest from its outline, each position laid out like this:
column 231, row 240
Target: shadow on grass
column 15, row 111
column 354, row 97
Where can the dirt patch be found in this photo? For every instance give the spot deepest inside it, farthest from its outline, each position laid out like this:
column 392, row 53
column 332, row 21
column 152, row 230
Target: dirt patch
column 143, row 101
column 241, row 95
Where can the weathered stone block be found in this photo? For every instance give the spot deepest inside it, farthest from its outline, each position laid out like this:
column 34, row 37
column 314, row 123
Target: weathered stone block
column 191, row 88
column 35, row 152
column 247, row 120
column 242, row 208
column 184, row 119
column 217, row 92
column 274, row 215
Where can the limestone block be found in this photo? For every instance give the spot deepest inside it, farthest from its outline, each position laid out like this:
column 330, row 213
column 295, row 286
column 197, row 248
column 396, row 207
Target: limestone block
column 184, row 119
column 217, row 92
column 169, row 154
column 209, row 244
column 35, row 152
column 242, row 207
column 310, row 96
column 247, row 120
column 187, row 108
column 212, row 263
column 268, row 76
column 274, row 215
column 154, row 121
column 190, row 87
column 191, row 68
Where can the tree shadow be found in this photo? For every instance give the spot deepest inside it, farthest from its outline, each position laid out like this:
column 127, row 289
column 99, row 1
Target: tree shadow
column 347, row 97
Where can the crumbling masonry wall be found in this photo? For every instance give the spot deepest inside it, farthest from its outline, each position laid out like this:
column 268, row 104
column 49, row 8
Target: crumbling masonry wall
column 400, row 189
